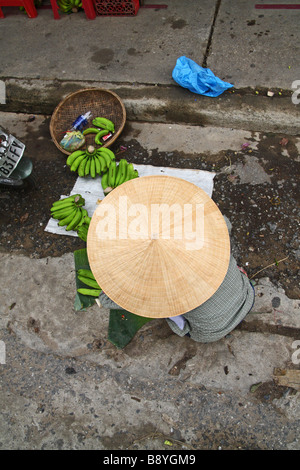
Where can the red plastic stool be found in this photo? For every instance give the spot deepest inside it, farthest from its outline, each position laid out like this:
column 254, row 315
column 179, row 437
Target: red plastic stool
column 27, row 4
column 87, row 5
column 89, row 9
column 55, row 9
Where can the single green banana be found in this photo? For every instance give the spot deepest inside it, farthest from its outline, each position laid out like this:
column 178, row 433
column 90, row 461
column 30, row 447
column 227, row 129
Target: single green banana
column 63, row 206
column 90, row 130
column 129, row 173
column 72, row 157
column 68, row 218
column 104, row 180
column 76, row 219
column 81, row 168
column 60, row 209
column 104, row 123
column 81, row 221
column 93, row 167
column 84, row 214
column 78, row 201
column 62, row 213
column 117, row 172
column 99, row 135
column 65, row 200
column 97, row 165
column 77, row 162
column 105, row 157
column 104, row 166
column 89, row 282
column 86, row 273
column 92, row 292
column 85, row 222
column 82, row 232
column 108, row 152
column 102, row 163
column 87, row 167
column 112, row 174
column 122, row 171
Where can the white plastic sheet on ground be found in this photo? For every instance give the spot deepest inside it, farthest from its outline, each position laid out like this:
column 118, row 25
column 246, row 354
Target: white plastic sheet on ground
column 91, row 189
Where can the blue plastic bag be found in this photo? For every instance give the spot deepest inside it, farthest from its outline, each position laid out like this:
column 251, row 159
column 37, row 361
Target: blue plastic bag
column 197, row 79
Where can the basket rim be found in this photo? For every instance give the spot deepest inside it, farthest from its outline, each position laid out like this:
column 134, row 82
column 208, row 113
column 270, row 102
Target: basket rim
column 70, row 96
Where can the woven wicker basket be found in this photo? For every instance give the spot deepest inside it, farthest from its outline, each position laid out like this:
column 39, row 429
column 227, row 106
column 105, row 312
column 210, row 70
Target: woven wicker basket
column 100, row 102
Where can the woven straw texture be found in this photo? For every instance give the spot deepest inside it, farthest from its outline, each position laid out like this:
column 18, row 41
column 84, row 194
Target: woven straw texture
column 152, row 270
column 100, row 102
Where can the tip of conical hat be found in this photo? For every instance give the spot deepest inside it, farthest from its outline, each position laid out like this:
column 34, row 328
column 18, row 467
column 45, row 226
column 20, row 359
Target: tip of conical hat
column 158, row 246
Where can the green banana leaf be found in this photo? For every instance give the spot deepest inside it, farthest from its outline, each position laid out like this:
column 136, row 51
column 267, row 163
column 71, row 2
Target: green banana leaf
column 123, row 326
column 81, row 262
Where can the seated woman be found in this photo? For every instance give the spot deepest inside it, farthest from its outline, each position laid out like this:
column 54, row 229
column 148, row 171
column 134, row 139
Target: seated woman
column 218, row 315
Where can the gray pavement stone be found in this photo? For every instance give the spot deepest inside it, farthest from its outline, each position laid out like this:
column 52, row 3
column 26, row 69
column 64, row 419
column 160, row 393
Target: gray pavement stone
column 140, row 49
column 255, row 47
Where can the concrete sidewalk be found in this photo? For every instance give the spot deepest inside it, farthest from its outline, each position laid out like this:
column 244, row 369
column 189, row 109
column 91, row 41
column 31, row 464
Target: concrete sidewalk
column 43, row 59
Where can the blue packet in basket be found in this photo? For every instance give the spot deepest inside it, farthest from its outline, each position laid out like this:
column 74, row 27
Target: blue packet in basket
column 197, row 79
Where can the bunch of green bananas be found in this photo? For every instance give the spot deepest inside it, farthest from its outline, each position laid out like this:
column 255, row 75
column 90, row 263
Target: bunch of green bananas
column 86, row 277
column 69, row 6
column 90, row 162
column 117, row 174
column 103, row 127
column 82, row 230
column 69, row 212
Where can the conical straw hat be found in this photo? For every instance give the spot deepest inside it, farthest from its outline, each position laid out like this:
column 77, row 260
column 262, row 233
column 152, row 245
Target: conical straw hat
column 158, row 246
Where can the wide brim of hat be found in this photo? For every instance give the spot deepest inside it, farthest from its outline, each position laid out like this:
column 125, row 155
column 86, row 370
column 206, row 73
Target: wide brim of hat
column 158, row 246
